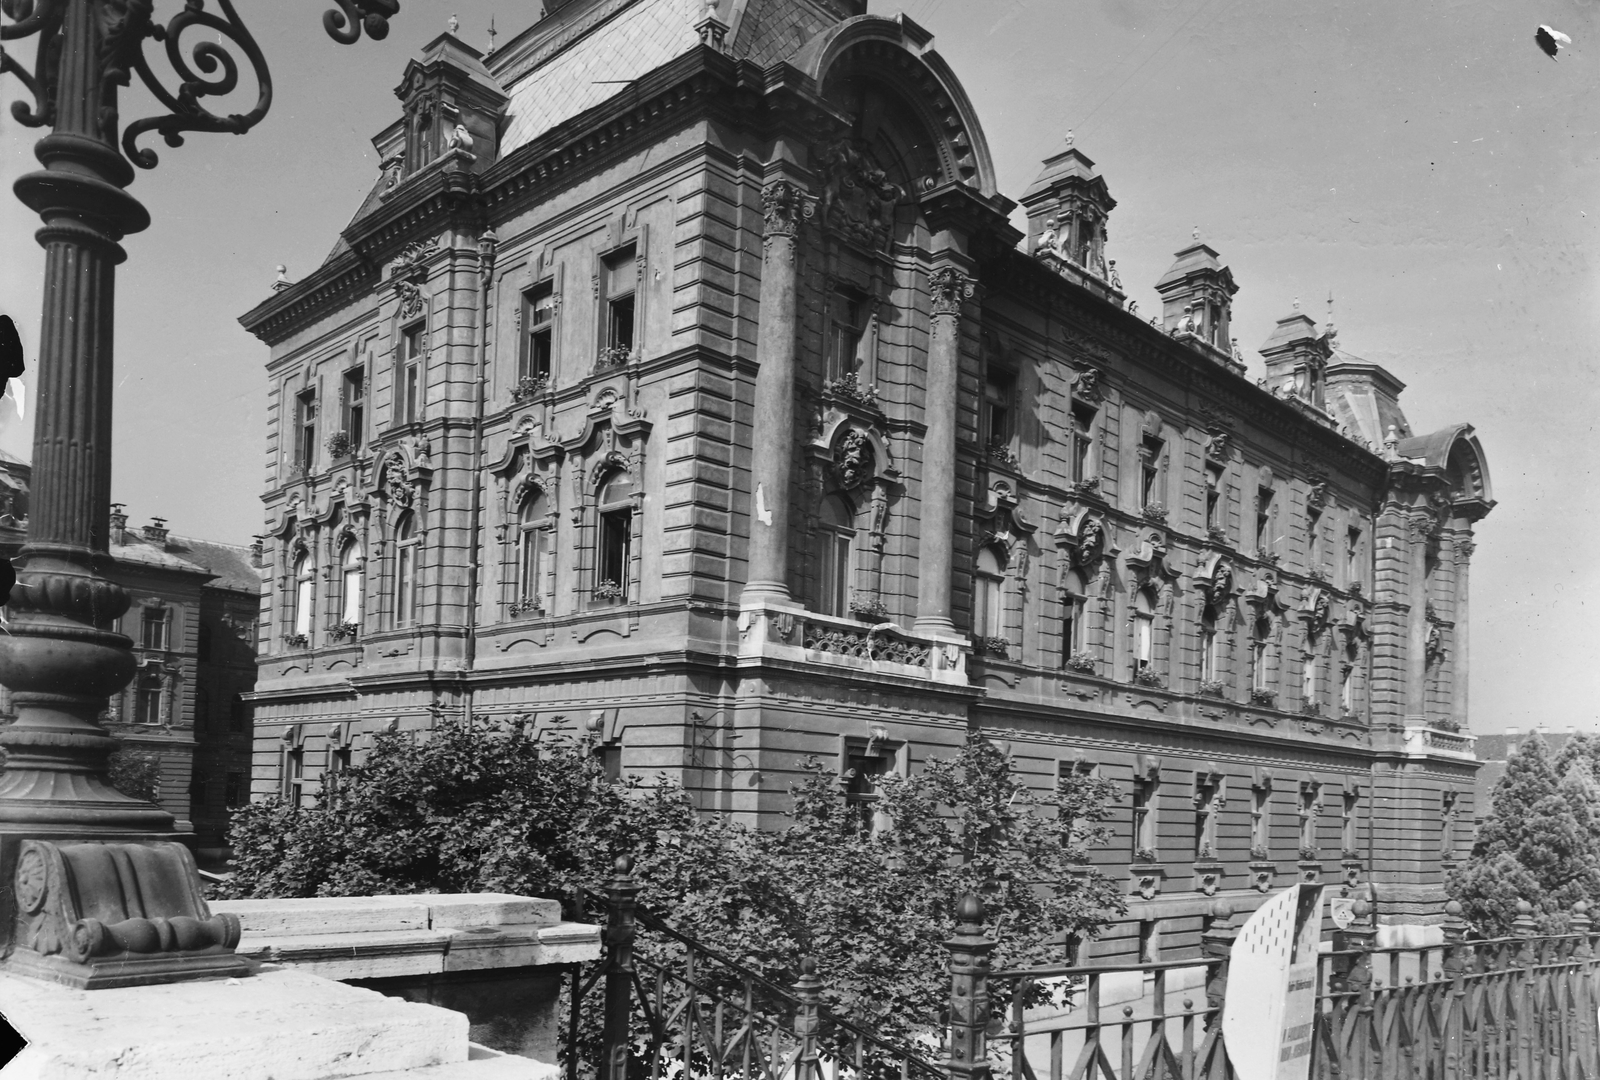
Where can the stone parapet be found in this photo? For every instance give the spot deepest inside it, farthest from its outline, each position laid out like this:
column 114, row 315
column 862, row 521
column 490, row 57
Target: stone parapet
column 373, row 937
column 876, row 649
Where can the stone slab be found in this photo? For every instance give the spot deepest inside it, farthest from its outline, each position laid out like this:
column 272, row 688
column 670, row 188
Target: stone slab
column 483, row 1064
column 327, row 915
column 356, row 955
column 450, row 911
column 490, row 947
column 282, row 1024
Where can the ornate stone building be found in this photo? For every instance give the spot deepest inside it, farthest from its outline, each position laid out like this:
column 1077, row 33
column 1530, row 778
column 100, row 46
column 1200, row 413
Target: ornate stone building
column 193, row 624
column 717, row 412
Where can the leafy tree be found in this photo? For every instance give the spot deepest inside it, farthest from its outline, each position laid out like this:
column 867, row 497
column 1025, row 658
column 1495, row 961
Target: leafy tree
column 482, row 807
column 1540, row 843
column 136, row 773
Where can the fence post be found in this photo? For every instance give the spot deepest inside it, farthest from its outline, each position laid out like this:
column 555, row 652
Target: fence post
column 1524, row 1012
column 1454, row 1021
column 1216, row 942
column 808, row 1021
column 969, row 994
column 1584, row 1030
column 620, row 930
column 1355, row 973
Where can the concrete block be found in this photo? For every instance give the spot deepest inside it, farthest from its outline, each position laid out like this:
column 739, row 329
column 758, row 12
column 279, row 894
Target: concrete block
column 279, row 1025
column 450, row 911
column 327, row 915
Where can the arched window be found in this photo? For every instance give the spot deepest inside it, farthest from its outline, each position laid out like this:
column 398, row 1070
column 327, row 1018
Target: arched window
column 304, row 594
column 1073, row 634
column 147, row 700
column 988, row 595
column 351, row 561
column 1260, row 642
column 533, row 545
column 405, row 572
column 1208, row 645
column 1144, row 629
column 836, row 562
column 614, row 545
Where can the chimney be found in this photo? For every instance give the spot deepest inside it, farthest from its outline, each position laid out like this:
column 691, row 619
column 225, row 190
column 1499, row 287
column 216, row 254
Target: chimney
column 257, row 547
column 156, row 531
column 119, row 523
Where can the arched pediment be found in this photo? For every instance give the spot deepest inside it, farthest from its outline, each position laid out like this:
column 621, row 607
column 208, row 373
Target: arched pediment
column 898, row 56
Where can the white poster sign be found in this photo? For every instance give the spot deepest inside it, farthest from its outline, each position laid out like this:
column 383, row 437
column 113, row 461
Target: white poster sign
column 1342, row 910
column 1271, row 998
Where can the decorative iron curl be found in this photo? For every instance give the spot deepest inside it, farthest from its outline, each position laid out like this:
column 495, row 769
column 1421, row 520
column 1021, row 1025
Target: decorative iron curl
column 210, row 57
column 29, row 17
column 372, row 14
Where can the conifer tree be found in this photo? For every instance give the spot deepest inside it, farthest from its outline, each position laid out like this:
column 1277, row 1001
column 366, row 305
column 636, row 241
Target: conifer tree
column 1540, row 843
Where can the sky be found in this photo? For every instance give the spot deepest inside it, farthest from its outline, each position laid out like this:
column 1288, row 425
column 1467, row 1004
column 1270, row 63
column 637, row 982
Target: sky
column 1423, row 162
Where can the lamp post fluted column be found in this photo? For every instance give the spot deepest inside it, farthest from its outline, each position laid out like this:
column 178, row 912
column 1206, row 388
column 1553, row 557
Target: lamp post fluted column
column 60, row 656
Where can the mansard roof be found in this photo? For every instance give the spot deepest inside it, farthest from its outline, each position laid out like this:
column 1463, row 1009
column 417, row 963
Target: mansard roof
column 1068, row 164
column 1197, row 258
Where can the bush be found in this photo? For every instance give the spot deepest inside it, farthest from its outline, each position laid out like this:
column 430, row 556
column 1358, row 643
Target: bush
column 136, row 773
column 473, row 807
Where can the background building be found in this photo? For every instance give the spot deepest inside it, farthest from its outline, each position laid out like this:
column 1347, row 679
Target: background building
column 193, row 622
column 728, row 420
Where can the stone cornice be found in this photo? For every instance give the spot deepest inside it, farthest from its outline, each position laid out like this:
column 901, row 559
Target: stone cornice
column 1129, row 337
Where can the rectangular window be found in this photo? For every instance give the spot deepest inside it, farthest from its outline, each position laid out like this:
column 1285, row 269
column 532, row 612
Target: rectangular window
column 1150, row 485
column 1313, row 540
column 1144, row 819
column 844, row 336
column 986, row 607
column 1072, row 621
column 233, row 789
column 1349, row 823
column 1264, row 519
column 1352, row 557
column 1208, row 650
column 153, row 628
column 1261, row 821
column 1213, row 496
column 355, row 406
column 410, row 390
column 616, row 541
column 538, row 325
column 1082, row 444
column 1310, row 790
column 535, row 551
column 835, row 573
column 147, row 701
column 999, row 395
column 621, row 281
column 865, row 766
column 294, row 766
column 306, row 421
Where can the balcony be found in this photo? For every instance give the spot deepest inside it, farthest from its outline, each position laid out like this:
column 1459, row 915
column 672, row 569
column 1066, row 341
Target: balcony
column 880, row 649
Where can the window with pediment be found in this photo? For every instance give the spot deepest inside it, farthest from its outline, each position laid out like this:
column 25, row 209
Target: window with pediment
column 405, row 570
column 352, row 567
column 533, row 549
column 988, row 594
column 614, row 541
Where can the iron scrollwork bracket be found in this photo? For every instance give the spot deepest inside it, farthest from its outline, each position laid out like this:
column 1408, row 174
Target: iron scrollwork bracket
column 29, row 17
column 345, row 25
column 214, row 72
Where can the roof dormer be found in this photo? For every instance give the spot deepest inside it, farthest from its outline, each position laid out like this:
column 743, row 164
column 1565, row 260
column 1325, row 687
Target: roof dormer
column 1297, row 359
column 1067, row 205
column 453, row 108
column 1197, row 299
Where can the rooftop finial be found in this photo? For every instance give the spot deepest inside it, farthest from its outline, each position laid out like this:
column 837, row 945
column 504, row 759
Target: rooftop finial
column 283, row 281
column 453, row 23
column 1297, row 303
column 491, row 33
column 1069, row 136
column 1196, row 233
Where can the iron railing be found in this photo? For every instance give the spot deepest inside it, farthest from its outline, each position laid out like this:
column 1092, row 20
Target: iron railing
column 1524, row 1007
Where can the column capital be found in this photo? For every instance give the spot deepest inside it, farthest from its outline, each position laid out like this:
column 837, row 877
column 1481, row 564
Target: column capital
column 784, row 205
column 949, row 288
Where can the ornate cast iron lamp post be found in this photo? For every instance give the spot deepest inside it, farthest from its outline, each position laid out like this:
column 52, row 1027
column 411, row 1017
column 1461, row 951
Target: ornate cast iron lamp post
column 61, row 657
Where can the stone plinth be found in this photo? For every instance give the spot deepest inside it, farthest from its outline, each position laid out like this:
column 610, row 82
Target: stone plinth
column 279, row 1025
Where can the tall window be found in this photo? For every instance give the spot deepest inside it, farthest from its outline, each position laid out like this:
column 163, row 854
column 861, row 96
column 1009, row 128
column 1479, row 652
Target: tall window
column 532, row 550
column 410, row 390
column 293, row 774
column 865, row 768
column 1310, row 791
column 1072, row 616
column 1144, row 818
column 999, row 396
column 1308, row 676
column 305, row 456
column 1263, row 519
column 1082, row 443
column 621, row 280
column 355, row 406
column 1349, row 822
column 304, row 588
column 613, row 563
column 1313, row 540
column 1209, row 796
column 1208, row 645
column 1213, row 496
column 1261, row 819
column 836, row 563
column 844, row 335
column 988, row 594
column 1352, row 557
column 405, row 572
column 147, row 700
column 538, row 332
column 1347, row 678
column 351, row 565
column 1144, row 629
column 1260, row 642
column 1150, row 452
column 153, row 629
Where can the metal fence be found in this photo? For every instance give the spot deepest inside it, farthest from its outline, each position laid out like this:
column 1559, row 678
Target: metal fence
column 1525, row 1007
